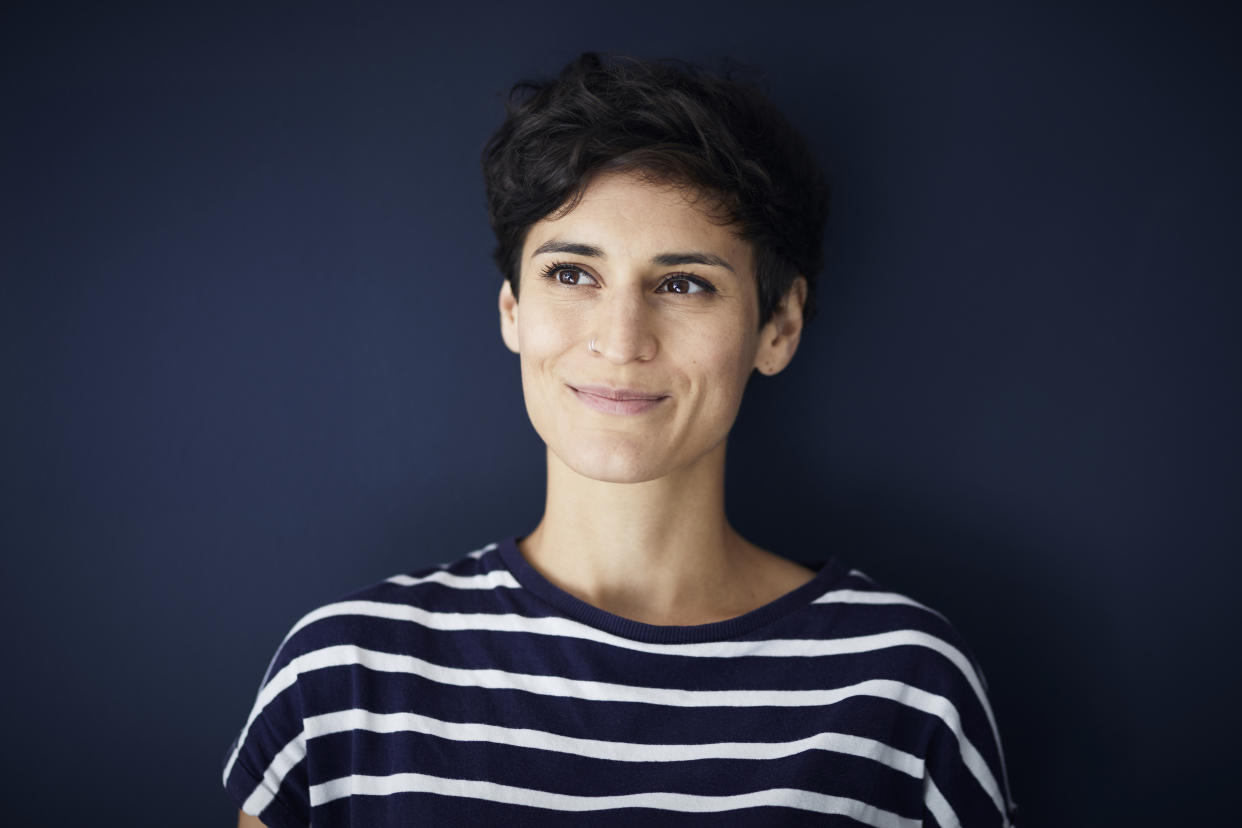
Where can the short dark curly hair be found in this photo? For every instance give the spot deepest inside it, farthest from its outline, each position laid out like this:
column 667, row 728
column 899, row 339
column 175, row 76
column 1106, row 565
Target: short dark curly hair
column 676, row 123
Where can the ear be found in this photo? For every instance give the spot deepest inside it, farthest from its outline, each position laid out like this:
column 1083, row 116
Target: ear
column 778, row 341
column 508, row 317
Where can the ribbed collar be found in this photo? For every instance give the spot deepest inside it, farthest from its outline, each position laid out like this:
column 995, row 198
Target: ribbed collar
column 575, row 608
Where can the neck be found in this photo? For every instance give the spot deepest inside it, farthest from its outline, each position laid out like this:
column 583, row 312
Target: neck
column 660, row 552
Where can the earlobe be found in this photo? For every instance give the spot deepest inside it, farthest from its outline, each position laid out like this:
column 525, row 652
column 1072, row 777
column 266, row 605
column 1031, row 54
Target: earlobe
column 508, row 317
column 778, row 341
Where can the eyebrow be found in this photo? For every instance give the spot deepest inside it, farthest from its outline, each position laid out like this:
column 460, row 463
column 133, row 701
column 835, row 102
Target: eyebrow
column 692, row 257
column 558, row 246
column 662, row 259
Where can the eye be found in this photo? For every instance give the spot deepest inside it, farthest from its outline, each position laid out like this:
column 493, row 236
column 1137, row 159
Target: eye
column 567, row 274
column 685, row 284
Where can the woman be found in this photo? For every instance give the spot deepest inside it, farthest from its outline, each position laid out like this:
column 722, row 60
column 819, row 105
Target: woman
column 632, row 657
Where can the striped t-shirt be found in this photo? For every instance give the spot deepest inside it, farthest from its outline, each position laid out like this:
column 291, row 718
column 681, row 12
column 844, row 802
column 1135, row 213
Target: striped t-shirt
column 477, row 693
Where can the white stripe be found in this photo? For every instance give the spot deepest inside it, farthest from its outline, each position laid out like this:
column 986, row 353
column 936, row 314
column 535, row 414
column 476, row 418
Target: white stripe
column 488, row 580
column 858, row 573
column 342, row 655
column 556, row 626
column 478, row 553
column 863, row 596
column 609, row 750
column 273, row 688
column 358, row 785
column 930, row 703
column 346, row 720
column 939, row 807
column 275, row 774
column 407, row 580
column 567, row 628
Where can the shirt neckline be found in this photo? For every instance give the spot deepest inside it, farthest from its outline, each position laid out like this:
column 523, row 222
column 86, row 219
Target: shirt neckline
column 530, row 579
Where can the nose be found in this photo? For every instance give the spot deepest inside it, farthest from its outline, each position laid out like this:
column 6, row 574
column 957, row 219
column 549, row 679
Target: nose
column 626, row 332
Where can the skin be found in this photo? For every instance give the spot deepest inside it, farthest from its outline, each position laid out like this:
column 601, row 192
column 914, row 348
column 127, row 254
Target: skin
column 634, row 519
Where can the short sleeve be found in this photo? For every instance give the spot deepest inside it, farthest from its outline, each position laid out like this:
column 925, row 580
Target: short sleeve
column 955, row 794
column 265, row 769
column 965, row 783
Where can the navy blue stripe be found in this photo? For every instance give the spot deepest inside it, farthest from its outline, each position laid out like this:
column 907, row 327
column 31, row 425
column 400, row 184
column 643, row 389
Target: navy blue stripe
column 420, row 810
column 327, row 691
column 970, row 802
column 833, row 774
column 583, row 660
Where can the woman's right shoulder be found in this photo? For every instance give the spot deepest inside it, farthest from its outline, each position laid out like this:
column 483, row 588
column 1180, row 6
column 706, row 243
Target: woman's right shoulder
column 407, row 602
column 481, row 569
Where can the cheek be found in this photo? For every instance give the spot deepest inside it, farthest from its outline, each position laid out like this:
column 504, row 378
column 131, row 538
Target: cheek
column 545, row 338
column 723, row 371
column 544, row 334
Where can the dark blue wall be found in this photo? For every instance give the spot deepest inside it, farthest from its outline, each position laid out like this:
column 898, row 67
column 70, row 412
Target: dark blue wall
column 251, row 361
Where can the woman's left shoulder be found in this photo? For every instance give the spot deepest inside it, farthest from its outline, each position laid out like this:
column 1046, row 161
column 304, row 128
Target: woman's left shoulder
column 913, row 638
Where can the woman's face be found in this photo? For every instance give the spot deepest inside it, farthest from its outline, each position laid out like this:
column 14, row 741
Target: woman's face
column 669, row 298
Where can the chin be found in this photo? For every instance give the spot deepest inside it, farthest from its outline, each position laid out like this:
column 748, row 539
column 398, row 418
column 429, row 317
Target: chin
column 612, row 464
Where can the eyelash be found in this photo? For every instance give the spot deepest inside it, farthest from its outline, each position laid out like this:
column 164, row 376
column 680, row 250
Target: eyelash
column 707, row 287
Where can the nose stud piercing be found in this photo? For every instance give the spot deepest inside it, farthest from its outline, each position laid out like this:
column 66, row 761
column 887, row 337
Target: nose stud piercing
column 591, row 347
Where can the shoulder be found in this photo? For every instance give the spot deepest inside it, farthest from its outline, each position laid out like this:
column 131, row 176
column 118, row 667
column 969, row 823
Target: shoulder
column 314, row 674
column 922, row 639
column 922, row 655
column 368, row 616
column 909, row 642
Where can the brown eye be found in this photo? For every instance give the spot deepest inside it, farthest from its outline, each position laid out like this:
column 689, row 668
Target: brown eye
column 685, row 286
column 568, row 275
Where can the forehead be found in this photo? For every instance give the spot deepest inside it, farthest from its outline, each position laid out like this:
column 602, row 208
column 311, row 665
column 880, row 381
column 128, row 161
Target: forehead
column 626, row 214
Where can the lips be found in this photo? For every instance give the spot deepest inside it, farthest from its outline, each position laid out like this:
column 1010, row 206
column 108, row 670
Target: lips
column 617, row 400
column 615, row 393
